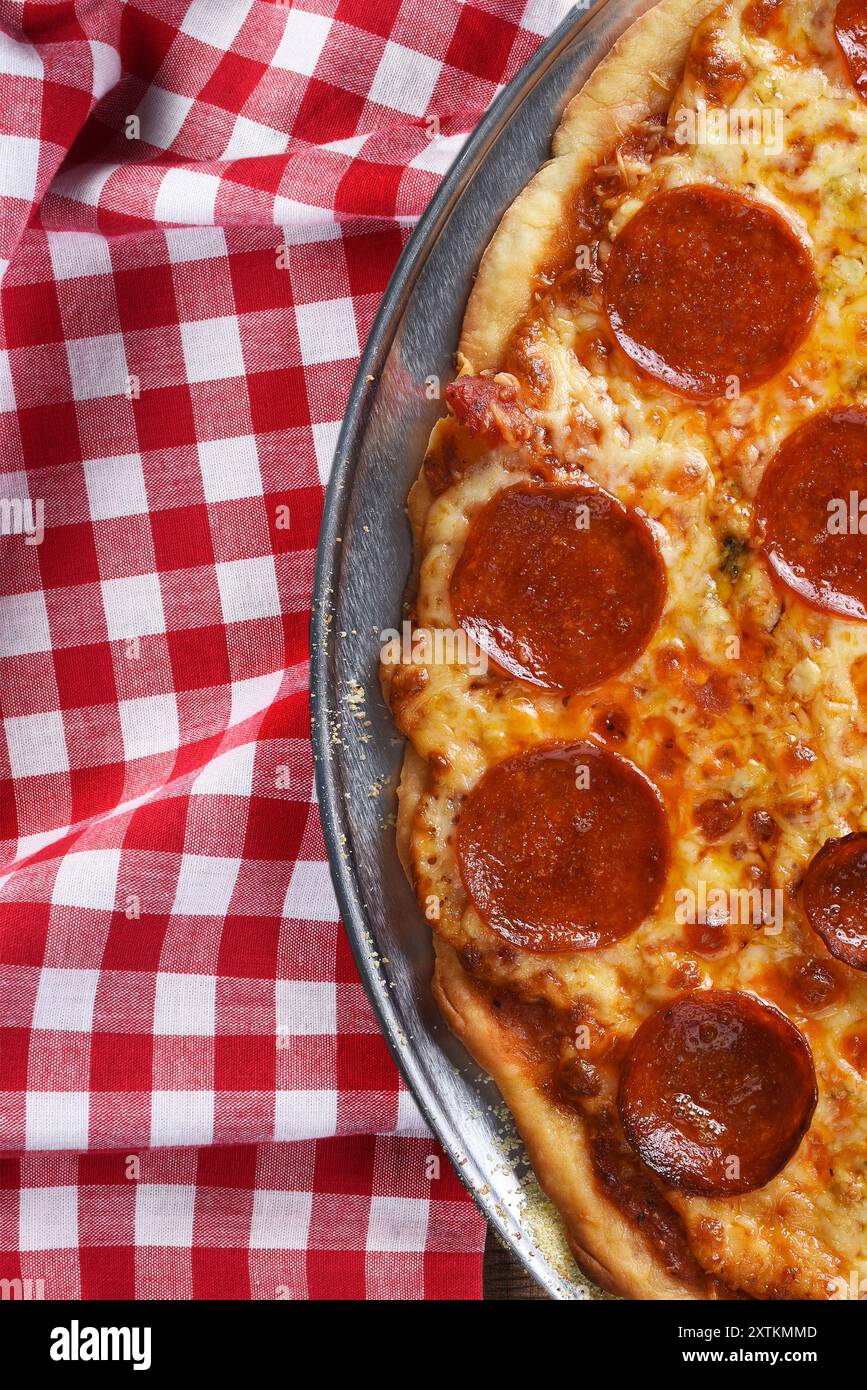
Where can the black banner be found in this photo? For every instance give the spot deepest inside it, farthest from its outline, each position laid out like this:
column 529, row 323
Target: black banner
column 145, row 1339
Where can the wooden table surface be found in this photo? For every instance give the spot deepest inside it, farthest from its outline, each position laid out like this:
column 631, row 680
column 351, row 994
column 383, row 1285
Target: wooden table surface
column 503, row 1277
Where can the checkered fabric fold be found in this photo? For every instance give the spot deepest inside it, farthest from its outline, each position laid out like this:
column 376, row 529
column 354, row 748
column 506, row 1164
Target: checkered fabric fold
column 200, row 206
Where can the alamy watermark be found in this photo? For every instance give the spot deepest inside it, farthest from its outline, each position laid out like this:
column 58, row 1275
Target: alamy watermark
column 847, row 516
column 23, row 516
column 77, row 1343
column 22, row 1290
column 709, row 906
column 717, row 125
column 434, row 646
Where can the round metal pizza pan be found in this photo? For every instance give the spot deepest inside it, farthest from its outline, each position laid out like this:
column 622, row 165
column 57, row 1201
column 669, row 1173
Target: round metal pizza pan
column 363, row 563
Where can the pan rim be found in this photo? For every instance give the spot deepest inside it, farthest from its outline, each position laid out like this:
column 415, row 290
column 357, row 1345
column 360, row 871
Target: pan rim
column 323, row 709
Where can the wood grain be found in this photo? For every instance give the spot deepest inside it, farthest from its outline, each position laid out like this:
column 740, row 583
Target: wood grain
column 503, row 1277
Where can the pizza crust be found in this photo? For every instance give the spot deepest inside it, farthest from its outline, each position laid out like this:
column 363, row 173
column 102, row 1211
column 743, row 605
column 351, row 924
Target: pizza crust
column 634, row 82
column 606, row 1245
column 410, row 790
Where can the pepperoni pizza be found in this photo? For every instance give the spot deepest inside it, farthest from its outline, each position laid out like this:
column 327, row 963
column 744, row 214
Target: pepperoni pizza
column 634, row 801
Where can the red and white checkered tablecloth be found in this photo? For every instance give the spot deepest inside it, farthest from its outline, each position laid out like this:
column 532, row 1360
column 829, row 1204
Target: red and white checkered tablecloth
column 200, row 206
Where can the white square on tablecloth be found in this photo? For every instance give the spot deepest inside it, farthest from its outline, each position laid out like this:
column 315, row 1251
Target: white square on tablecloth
column 227, row 774
column 182, row 1118
column 305, row 1115
column 352, row 145
column 205, row 885
column 187, row 195
column 87, row 878
column 212, row 349
column 97, row 367
column 83, row 183
column 405, row 79
column 161, row 114
column 230, row 468
column 251, row 138
column 326, row 331
column 37, row 743
column 541, row 16
column 302, row 223
column 281, row 1220
column 65, row 1000
column 397, row 1223
column 195, row 244
column 164, row 1214
column 185, row 1005
column 106, row 67
column 7, row 390
column 133, row 606
column 302, row 42
column 24, row 624
column 310, row 895
column 439, row 154
column 19, row 166
column 306, row 1008
column 325, row 436
column 253, row 695
column 116, row 487
column 32, row 844
column 78, row 254
column 56, row 1120
column 19, row 59
column 216, row 24
column 149, row 725
column 48, row 1218
column 248, row 589
column 410, row 1120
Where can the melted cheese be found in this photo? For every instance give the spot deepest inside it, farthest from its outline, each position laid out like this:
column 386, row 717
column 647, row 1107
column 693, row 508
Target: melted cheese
column 742, row 692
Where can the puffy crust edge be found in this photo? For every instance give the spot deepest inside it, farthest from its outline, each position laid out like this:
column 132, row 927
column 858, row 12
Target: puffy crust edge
column 634, row 81
column 605, row 1243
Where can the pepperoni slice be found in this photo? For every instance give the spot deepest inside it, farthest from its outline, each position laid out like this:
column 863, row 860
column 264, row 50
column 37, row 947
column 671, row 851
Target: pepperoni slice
column 834, row 895
column 850, row 27
column 807, row 508
column 703, row 286
column 561, row 587
column 563, row 847
column 815, row 985
column 717, row 1092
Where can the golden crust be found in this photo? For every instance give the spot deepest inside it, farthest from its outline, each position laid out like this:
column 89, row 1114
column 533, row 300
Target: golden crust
column 504, row 284
column 641, row 72
column 413, row 780
column 633, row 82
column 605, row 1243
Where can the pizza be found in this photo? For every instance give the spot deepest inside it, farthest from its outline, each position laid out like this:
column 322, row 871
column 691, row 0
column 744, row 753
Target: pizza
column 634, row 798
